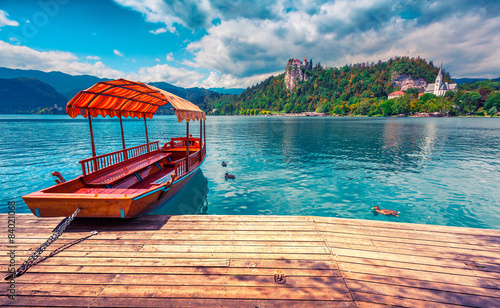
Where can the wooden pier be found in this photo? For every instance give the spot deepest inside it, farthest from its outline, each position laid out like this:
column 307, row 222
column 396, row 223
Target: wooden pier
column 231, row 261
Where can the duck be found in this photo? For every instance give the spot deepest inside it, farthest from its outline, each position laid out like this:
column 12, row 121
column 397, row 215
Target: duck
column 229, row 176
column 224, row 164
column 385, row 211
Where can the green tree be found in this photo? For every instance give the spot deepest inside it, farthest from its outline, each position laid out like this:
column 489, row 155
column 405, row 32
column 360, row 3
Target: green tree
column 493, row 100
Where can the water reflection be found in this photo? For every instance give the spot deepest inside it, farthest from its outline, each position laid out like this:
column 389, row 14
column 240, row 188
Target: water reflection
column 191, row 200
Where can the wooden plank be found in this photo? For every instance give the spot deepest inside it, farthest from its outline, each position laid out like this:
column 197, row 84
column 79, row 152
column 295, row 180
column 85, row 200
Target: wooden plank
column 178, row 242
column 190, row 255
column 241, row 227
column 206, row 302
column 466, row 280
column 397, row 301
column 433, row 296
column 410, row 234
column 459, row 242
column 41, row 289
column 84, row 246
column 423, row 282
column 185, row 269
column 47, row 301
column 227, row 292
column 52, row 301
column 243, row 218
column 442, row 268
column 166, row 280
column 284, row 263
column 466, row 255
column 405, row 226
column 372, row 257
column 234, row 249
column 85, row 260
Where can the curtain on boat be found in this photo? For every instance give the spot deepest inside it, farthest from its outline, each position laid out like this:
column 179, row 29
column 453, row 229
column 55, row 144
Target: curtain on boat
column 126, row 98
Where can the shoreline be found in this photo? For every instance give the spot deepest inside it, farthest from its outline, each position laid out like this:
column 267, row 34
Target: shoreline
column 303, row 114
column 353, row 116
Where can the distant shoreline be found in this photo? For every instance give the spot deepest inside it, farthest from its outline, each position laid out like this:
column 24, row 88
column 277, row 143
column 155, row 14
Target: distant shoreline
column 306, row 114
column 356, row 116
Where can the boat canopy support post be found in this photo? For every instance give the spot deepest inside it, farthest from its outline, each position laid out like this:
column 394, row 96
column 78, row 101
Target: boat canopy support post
column 201, row 131
column 91, row 136
column 187, row 145
column 205, row 134
column 146, row 127
column 123, row 138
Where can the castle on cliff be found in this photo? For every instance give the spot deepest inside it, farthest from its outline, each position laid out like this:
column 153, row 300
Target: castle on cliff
column 296, row 71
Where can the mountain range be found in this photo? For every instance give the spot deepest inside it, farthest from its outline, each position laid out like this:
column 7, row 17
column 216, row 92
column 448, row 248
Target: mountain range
column 32, row 91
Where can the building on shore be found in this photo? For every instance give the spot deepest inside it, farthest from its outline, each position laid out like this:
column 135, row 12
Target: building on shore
column 440, row 88
column 395, row 94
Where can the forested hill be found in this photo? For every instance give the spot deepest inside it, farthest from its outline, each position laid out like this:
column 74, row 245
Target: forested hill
column 31, row 91
column 29, row 95
column 328, row 87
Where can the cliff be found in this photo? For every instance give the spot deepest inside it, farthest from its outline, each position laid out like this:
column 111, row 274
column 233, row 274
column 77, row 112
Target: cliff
column 406, row 82
column 295, row 71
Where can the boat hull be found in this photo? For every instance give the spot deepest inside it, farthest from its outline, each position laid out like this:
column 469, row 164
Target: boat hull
column 113, row 205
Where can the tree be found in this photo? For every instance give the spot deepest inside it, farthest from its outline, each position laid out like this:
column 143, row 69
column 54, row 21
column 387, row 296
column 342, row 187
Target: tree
column 412, row 91
column 493, row 100
column 427, row 96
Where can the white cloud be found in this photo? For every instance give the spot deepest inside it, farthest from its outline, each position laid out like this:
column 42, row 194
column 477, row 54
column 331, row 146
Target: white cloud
column 464, row 44
column 5, row 21
column 255, row 39
column 216, row 80
column 162, row 72
column 342, row 32
column 159, row 30
column 156, row 11
column 247, row 47
column 21, row 57
column 92, row 58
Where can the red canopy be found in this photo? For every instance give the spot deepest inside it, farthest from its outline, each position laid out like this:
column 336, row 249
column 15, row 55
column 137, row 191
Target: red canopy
column 129, row 99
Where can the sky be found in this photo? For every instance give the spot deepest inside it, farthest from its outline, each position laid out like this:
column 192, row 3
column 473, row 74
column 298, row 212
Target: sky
column 238, row 43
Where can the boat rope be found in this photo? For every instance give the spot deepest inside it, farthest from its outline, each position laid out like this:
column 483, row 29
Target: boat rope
column 55, row 235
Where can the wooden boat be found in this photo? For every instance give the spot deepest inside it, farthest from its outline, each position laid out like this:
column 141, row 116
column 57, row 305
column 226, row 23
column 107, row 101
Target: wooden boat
column 132, row 181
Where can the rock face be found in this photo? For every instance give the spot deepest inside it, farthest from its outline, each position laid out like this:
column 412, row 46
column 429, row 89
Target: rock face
column 295, row 71
column 405, row 82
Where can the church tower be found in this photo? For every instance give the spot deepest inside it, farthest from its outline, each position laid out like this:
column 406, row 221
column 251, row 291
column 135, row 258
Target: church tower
column 439, row 80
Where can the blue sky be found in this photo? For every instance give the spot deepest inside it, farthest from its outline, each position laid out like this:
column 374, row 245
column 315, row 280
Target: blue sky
column 234, row 44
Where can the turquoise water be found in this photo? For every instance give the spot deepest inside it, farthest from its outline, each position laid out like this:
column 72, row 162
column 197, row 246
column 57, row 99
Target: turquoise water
column 441, row 171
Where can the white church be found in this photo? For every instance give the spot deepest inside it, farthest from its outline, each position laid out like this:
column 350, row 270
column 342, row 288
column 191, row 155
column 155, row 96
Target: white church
column 440, row 88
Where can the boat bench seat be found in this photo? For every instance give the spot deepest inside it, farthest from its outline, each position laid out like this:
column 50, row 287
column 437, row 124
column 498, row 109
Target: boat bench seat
column 109, row 191
column 115, row 173
column 164, row 179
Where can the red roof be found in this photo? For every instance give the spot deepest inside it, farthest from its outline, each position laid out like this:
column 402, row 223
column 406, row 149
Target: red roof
column 305, row 59
column 397, row 93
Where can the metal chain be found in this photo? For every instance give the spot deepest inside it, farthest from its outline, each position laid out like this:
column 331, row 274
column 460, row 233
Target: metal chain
column 55, row 235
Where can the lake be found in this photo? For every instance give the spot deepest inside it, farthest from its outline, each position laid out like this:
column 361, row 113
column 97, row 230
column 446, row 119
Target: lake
column 442, row 171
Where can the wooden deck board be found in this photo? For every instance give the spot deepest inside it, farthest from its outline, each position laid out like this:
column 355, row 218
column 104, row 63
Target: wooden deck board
column 230, row 261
